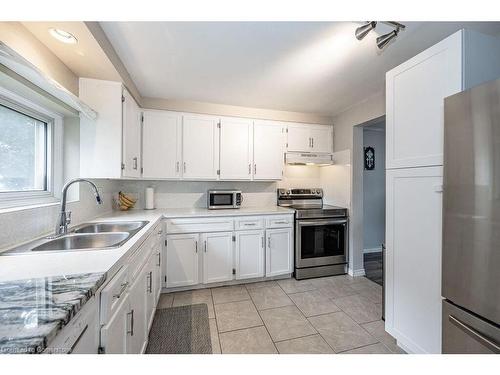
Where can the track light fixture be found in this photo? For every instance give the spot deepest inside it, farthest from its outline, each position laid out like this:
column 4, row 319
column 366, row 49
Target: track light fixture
column 362, row 31
column 382, row 40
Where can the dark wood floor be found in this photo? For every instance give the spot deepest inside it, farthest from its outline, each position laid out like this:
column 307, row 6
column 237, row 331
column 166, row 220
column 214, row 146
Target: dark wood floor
column 373, row 267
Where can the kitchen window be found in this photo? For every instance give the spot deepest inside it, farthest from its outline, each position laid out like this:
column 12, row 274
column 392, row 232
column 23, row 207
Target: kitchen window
column 28, row 169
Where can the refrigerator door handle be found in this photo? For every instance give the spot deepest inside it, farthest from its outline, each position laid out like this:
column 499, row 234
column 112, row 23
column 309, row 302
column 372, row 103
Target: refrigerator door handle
column 478, row 336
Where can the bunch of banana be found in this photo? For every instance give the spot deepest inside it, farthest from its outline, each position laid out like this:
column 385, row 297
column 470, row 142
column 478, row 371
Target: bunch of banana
column 126, row 201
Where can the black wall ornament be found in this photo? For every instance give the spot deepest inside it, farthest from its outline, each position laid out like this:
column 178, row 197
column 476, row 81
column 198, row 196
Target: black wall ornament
column 369, row 158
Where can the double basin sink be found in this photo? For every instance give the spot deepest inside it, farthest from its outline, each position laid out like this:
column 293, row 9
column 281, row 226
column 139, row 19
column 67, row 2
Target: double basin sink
column 88, row 236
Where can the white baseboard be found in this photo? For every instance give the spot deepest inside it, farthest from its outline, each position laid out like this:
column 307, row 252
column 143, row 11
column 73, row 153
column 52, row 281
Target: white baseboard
column 356, row 273
column 373, row 250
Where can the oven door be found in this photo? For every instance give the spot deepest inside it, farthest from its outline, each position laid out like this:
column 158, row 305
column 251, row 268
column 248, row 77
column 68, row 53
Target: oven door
column 320, row 242
column 221, row 200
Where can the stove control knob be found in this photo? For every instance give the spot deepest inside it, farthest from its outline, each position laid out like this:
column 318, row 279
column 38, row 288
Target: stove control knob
column 288, row 192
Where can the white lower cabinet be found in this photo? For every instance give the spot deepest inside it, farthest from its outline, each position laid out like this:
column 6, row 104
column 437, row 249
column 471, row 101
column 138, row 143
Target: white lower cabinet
column 137, row 331
column 217, row 256
column 413, row 257
column 182, row 260
column 149, row 289
column 249, row 254
column 279, row 251
column 114, row 333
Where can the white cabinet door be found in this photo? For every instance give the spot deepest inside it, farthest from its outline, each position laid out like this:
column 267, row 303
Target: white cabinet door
column 114, row 334
column 236, row 149
column 131, row 154
column 200, row 147
column 138, row 333
column 157, row 253
column 217, row 257
column 150, row 290
column 413, row 241
column 298, row 138
column 161, row 144
column 415, row 91
column 268, row 157
column 322, row 138
column 279, row 251
column 249, row 254
column 181, row 266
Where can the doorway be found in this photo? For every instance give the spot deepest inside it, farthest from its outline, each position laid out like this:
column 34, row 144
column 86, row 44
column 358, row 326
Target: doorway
column 374, row 200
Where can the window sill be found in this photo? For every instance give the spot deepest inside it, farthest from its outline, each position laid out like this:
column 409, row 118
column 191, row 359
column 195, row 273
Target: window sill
column 13, row 206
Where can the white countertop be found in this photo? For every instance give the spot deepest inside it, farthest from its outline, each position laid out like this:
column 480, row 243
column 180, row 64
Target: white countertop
column 30, row 265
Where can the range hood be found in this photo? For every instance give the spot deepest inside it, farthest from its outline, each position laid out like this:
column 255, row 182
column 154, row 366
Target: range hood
column 298, row 158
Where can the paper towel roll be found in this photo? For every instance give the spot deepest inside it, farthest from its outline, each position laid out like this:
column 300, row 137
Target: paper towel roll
column 150, row 198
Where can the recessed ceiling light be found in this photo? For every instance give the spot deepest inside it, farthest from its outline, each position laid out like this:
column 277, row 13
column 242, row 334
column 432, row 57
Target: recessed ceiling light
column 63, row 36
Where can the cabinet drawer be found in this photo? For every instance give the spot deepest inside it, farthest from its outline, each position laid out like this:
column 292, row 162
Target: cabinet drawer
column 222, row 224
column 281, row 221
column 248, row 222
column 113, row 293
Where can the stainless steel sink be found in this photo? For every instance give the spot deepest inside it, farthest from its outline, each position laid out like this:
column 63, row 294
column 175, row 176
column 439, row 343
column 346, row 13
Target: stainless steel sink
column 88, row 236
column 124, row 226
column 78, row 241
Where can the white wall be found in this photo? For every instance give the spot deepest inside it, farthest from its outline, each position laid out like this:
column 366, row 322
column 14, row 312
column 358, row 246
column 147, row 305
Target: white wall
column 374, row 191
column 344, row 130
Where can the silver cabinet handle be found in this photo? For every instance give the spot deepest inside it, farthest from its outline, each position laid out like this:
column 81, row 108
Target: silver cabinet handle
column 159, row 259
column 177, row 167
column 149, row 278
column 122, row 289
column 312, row 142
column 255, row 169
column 479, row 337
column 196, row 246
column 205, row 246
column 249, row 168
column 269, row 242
column 249, row 224
column 131, row 314
column 281, row 222
column 184, row 165
column 135, row 163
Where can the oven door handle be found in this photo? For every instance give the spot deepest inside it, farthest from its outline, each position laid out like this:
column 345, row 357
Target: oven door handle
column 305, row 222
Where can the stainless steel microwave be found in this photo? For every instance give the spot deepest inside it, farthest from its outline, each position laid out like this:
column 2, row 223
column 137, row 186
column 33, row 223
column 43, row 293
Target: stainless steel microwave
column 220, row 199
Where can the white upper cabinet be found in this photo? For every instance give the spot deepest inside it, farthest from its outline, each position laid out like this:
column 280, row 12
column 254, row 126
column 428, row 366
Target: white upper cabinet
column 113, row 139
column 236, row 143
column 161, row 144
column 131, row 136
column 268, row 156
column 200, row 147
column 310, row 138
column 415, row 92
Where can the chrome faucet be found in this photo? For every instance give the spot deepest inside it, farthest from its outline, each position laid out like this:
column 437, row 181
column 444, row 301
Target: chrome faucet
column 65, row 216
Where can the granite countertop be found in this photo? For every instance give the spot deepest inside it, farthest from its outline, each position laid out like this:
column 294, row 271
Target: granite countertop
column 33, row 311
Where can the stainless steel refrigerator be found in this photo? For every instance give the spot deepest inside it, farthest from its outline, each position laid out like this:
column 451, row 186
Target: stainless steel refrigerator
column 471, row 221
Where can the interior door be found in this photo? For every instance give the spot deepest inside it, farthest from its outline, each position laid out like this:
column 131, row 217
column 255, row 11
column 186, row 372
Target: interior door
column 413, row 255
column 161, row 144
column 322, row 138
column 235, row 149
column 250, row 254
column 114, row 333
column 131, row 154
column 182, row 260
column 200, row 147
column 217, row 257
column 268, row 156
column 279, row 250
column 299, row 138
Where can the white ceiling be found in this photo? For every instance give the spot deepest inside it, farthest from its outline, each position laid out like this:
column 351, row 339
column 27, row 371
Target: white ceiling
column 313, row 67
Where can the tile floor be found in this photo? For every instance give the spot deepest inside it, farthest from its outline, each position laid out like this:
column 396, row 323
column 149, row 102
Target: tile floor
column 338, row 314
